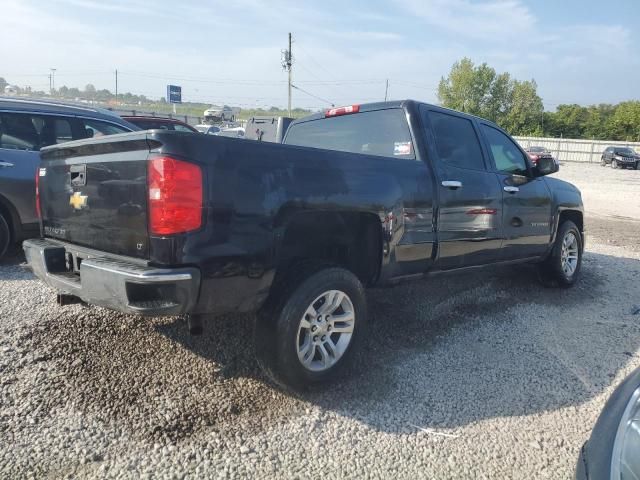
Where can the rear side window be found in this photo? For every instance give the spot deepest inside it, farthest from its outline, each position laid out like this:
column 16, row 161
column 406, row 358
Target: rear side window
column 506, row 155
column 18, row 132
column 383, row 133
column 456, row 141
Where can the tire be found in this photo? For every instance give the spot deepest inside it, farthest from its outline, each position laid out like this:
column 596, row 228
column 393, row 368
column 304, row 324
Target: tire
column 558, row 270
column 614, row 163
column 637, row 166
column 5, row 236
column 298, row 348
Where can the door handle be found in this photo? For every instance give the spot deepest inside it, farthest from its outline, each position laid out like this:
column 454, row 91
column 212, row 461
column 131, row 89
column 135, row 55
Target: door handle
column 452, row 184
column 5, row 164
column 511, row 189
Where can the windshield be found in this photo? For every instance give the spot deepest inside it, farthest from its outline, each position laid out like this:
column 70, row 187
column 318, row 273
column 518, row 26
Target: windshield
column 625, row 151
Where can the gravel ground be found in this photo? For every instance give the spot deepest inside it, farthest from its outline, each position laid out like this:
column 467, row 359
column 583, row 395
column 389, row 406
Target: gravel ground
column 483, row 375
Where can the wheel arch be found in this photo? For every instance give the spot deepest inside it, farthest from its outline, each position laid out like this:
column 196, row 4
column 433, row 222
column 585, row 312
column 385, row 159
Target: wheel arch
column 576, row 216
column 352, row 240
column 12, row 217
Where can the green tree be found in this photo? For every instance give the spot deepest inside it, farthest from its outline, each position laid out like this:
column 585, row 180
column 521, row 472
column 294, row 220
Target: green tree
column 479, row 90
column 524, row 116
column 624, row 123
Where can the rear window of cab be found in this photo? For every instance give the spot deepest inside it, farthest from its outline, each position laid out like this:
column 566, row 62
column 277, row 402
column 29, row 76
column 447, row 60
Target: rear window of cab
column 384, row 133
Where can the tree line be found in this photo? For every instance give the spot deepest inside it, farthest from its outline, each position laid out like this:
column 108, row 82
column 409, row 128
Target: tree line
column 516, row 106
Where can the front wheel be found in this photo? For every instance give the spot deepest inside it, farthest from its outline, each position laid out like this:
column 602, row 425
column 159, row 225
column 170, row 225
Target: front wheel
column 314, row 330
column 614, row 163
column 562, row 267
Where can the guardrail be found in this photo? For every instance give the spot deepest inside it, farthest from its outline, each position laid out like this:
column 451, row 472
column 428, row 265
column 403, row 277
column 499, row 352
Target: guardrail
column 575, row 150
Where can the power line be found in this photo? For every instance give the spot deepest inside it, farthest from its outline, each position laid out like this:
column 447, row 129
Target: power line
column 312, row 95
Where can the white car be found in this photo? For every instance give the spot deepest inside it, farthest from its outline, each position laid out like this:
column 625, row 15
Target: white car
column 207, row 129
column 236, row 132
column 224, row 113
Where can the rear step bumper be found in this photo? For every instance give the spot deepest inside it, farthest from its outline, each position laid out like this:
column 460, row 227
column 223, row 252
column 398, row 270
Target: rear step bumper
column 118, row 283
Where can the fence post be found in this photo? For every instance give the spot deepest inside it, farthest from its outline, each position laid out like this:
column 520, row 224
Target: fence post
column 591, row 156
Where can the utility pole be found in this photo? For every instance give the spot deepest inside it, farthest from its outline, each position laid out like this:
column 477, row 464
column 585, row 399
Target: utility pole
column 287, row 62
column 116, row 86
column 53, row 80
column 386, row 89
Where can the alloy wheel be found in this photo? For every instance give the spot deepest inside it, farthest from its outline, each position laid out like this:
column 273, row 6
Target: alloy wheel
column 325, row 331
column 569, row 254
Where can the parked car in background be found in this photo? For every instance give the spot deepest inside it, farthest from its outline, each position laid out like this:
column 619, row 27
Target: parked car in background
column 536, row 153
column 613, row 450
column 234, row 132
column 207, row 129
column 159, row 123
column 25, row 127
column 223, row 113
column 623, row 157
column 267, row 129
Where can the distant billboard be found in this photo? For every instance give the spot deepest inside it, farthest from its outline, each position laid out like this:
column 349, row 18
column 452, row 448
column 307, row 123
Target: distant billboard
column 174, row 94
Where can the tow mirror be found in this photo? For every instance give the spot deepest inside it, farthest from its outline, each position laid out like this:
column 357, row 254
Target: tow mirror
column 546, row 166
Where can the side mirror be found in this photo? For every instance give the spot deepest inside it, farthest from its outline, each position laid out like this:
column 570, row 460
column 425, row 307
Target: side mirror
column 546, row 166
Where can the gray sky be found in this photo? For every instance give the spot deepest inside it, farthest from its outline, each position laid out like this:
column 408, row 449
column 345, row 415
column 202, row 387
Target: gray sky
column 229, row 52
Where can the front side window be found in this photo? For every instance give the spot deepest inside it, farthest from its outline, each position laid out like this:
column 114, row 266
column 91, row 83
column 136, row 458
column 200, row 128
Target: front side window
column 62, row 130
column 456, row 141
column 383, row 133
column 507, row 156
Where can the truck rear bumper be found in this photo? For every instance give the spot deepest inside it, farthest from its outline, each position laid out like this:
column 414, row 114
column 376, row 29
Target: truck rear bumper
column 118, row 283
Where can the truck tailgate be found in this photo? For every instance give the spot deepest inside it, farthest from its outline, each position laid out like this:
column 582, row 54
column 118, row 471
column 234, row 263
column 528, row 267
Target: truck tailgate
column 94, row 193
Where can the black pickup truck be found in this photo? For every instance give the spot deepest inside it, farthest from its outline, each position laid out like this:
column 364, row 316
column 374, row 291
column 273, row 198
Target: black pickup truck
column 172, row 223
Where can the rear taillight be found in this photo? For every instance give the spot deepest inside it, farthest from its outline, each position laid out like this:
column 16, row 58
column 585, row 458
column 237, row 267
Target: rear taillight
column 38, row 211
column 175, row 196
column 336, row 112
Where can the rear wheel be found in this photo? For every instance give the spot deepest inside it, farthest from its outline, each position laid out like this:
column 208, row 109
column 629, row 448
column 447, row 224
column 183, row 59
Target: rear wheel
column 5, row 236
column 603, row 162
column 562, row 267
column 314, row 330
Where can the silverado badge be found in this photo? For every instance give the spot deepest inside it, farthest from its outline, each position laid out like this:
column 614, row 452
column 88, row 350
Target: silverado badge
column 78, row 201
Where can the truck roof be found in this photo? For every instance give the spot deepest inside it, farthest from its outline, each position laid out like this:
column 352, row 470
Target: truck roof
column 368, row 107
